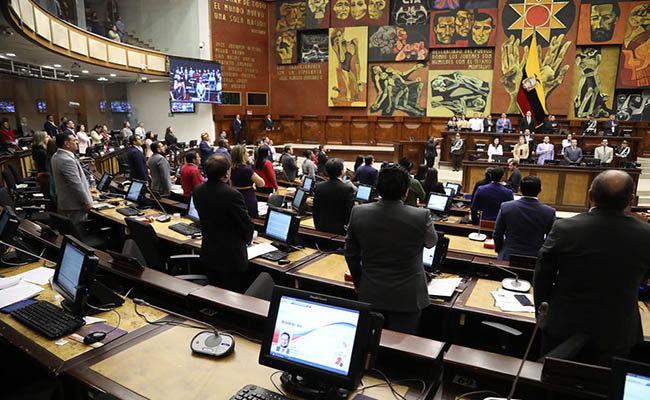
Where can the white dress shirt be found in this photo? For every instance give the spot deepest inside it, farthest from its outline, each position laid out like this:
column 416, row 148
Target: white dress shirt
column 476, row 124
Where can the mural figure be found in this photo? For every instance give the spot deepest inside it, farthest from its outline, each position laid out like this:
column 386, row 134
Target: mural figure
column 590, row 98
column 463, row 21
column 410, row 12
column 395, row 91
column 463, row 28
column 317, row 8
column 634, row 71
column 376, row 8
column 358, row 9
column 482, row 30
column 285, row 46
column 633, row 106
column 459, row 93
column 397, row 43
column 602, row 21
column 444, row 28
column 313, row 48
column 341, row 9
column 347, row 54
column 290, row 15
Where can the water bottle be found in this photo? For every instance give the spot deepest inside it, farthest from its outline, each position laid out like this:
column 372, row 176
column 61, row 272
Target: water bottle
column 91, row 182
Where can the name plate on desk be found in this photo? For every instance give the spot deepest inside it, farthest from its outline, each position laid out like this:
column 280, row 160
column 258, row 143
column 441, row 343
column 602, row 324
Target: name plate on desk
column 584, row 377
column 126, row 263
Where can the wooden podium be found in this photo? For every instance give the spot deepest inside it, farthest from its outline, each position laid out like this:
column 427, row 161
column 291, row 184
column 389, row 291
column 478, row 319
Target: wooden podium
column 413, row 150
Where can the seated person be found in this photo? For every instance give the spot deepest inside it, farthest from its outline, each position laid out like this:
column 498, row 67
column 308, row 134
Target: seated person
column 573, row 153
column 416, row 192
column 366, row 174
column 522, row 225
column 488, row 198
column 333, row 200
column 431, row 183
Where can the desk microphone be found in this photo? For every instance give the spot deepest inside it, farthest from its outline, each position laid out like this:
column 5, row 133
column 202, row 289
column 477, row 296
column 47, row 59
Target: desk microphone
column 478, row 236
column 541, row 314
column 516, row 285
column 215, row 343
column 161, row 218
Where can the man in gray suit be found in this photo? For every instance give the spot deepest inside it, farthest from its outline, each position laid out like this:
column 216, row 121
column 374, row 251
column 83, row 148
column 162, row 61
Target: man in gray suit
column 161, row 181
column 589, row 271
column 573, row 153
column 383, row 249
column 604, row 153
column 72, row 191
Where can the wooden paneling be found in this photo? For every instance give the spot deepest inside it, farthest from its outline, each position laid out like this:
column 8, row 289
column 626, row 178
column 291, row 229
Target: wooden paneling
column 549, row 184
column 360, row 131
column 387, row 131
column 311, row 130
column 336, row 131
column 574, row 189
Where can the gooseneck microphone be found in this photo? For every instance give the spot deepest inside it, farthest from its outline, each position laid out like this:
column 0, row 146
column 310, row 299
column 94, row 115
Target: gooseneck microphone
column 516, row 285
column 164, row 217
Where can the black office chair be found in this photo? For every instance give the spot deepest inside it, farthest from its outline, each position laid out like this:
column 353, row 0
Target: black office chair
column 262, row 287
column 276, row 200
column 150, row 247
column 34, row 211
column 65, row 226
column 18, row 178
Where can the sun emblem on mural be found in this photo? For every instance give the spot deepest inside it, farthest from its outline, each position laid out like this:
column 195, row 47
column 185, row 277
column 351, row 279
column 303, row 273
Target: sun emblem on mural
column 548, row 18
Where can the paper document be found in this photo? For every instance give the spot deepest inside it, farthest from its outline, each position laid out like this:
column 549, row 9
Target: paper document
column 9, row 282
column 262, row 208
column 102, row 206
column 443, row 287
column 257, row 250
column 19, row 292
column 39, row 276
column 506, row 301
column 93, row 320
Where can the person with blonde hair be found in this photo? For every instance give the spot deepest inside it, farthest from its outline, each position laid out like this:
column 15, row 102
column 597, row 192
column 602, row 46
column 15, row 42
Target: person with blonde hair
column 242, row 178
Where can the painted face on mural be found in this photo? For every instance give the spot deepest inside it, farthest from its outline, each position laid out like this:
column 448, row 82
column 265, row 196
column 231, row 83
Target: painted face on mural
column 444, row 28
column 376, row 8
column 412, row 14
column 482, row 30
column 341, row 9
column 358, row 9
column 317, row 7
column 603, row 20
column 464, row 20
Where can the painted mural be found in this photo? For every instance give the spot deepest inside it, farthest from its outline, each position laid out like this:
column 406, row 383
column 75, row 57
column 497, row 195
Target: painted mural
column 348, row 67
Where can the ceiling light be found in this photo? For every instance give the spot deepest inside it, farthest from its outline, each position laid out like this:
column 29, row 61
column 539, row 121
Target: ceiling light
column 84, row 71
column 75, row 76
column 1, row 56
column 11, row 54
column 57, row 65
column 113, row 75
column 46, row 66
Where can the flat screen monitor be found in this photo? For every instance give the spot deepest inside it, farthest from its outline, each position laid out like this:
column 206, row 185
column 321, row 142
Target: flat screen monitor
column 364, row 192
column 104, row 183
column 630, row 380
column 278, row 225
column 455, row 186
column 191, row 211
column 450, row 191
column 74, row 274
column 7, row 107
column 181, row 107
column 434, row 257
column 8, row 224
column 120, row 106
column 195, row 81
column 102, row 106
column 316, row 338
column 438, row 202
column 135, row 191
column 299, row 200
column 42, row 106
column 308, row 184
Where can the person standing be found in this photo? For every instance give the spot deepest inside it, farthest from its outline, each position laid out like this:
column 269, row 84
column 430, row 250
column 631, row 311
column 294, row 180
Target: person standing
column 190, row 175
column 494, row 149
column 589, row 271
column 96, row 137
column 6, row 134
column 430, row 152
column 226, row 228
column 69, row 127
column 623, row 152
column 366, row 174
column 503, row 123
column 476, row 123
column 514, row 180
column 264, row 168
column 333, row 200
column 431, row 183
column 73, row 192
column 223, row 148
column 488, row 198
column 415, row 192
column 488, row 124
column 383, row 250
column 457, row 152
column 573, row 153
column 611, row 126
column 205, row 148
column 604, row 153
column 139, row 130
column 590, row 126
column 161, row 181
column 242, row 178
column 237, row 128
column 521, row 150
column 528, row 122
column 126, row 131
column 135, row 157
column 288, row 162
column 83, row 138
column 551, row 126
column 545, row 151
column 321, row 159
column 50, row 127
column 522, row 225
column 268, row 123
column 308, row 166
column 170, row 139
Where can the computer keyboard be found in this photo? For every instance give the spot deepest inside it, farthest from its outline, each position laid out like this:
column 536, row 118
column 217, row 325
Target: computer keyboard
column 129, row 211
column 48, row 319
column 185, row 229
column 275, row 255
column 436, row 217
column 252, row 392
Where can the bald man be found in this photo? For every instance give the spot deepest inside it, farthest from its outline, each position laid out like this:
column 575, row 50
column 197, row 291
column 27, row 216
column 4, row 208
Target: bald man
column 589, row 271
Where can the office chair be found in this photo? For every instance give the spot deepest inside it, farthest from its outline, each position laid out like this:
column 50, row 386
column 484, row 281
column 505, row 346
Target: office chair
column 18, row 178
column 568, row 349
column 123, row 164
column 150, row 247
column 130, row 248
column 276, row 200
column 262, row 287
column 65, row 226
column 32, row 212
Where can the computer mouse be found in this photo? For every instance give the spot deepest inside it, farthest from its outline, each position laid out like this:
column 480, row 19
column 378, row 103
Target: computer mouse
column 164, row 218
column 94, row 337
column 197, row 236
column 284, row 261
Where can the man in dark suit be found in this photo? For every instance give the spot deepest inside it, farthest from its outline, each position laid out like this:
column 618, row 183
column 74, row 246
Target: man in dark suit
column 226, row 227
column 611, row 126
column 589, row 271
column 524, row 222
column 527, row 122
column 50, row 126
column 321, row 158
column 488, row 198
column 515, row 175
column 69, row 128
column 135, row 157
column 551, row 126
column 333, row 200
column 288, row 162
column 383, row 250
column 268, row 123
column 237, row 128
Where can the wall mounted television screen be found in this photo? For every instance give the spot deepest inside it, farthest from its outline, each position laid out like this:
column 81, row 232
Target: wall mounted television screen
column 7, row 107
column 195, row 81
column 120, row 106
column 102, row 106
column 42, row 106
column 181, row 107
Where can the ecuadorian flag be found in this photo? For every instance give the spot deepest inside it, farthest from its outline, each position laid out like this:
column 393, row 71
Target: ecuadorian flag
column 531, row 95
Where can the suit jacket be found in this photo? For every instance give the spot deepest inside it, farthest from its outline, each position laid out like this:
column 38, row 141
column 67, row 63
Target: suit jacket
column 604, row 154
column 514, row 180
column 268, row 124
column 549, row 126
column 289, row 166
column 21, row 131
column 137, row 164
column 608, row 128
column 225, row 225
column 524, row 223
column 383, row 249
column 524, row 124
column 160, row 174
column 488, row 199
column 322, row 159
column 72, row 189
column 236, row 126
column 333, row 201
column 572, row 155
column 51, row 128
column 589, row 271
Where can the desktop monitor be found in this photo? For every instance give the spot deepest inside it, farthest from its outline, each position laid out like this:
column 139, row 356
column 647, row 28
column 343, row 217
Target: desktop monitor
column 438, row 202
column 308, row 184
column 75, row 274
column 321, row 342
column 8, row 224
column 630, row 380
column 191, row 211
column 135, row 191
column 434, row 257
column 449, row 191
column 281, row 226
column 364, row 193
column 104, row 183
column 455, row 186
column 299, row 200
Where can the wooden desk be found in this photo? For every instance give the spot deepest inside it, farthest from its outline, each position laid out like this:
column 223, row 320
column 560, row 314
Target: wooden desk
column 45, row 350
column 167, row 369
column 308, row 223
column 565, row 187
column 466, row 245
column 478, row 299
